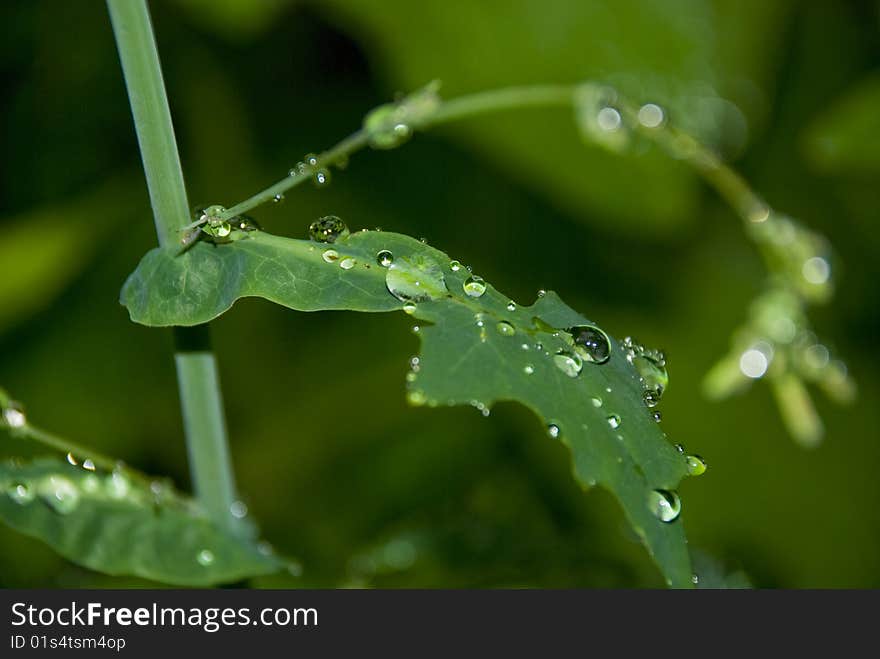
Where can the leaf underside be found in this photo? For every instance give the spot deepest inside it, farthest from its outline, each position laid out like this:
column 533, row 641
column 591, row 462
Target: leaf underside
column 464, row 358
column 122, row 527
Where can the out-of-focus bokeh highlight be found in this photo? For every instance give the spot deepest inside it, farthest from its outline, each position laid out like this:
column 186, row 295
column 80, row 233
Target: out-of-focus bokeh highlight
column 335, row 467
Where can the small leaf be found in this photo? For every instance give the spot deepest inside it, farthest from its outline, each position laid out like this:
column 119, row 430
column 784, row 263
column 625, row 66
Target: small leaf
column 119, row 526
column 478, row 347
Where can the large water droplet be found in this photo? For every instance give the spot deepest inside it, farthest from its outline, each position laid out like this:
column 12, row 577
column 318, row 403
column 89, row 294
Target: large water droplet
column 384, row 258
column 347, row 263
column 328, row 229
column 593, row 343
column 59, row 493
column 664, row 504
column 20, row 493
column 613, row 421
column 474, row 286
column 414, row 282
column 505, row 329
column 409, row 308
column 205, row 557
column 696, row 466
column 651, row 115
column 568, row 363
column 455, row 266
column 330, row 255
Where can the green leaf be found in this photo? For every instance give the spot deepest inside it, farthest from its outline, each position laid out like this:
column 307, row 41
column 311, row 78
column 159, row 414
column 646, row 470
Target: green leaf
column 477, row 348
column 117, row 525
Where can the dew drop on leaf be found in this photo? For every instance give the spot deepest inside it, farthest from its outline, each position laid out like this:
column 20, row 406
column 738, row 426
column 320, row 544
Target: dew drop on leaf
column 505, row 329
column 455, row 266
column 20, row 493
column 568, row 363
column 664, row 504
column 347, row 263
column 416, row 397
column 59, row 493
column 553, row 430
column 593, row 342
column 474, row 286
column 613, row 421
column 205, row 557
column 277, row 199
column 328, row 229
column 409, row 308
column 696, row 466
column 511, row 306
column 596, row 401
column 330, row 255
column 528, row 369
column 657, row 416
column 384, row 258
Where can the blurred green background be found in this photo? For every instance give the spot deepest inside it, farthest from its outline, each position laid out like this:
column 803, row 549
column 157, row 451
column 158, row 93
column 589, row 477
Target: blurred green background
column 338, row 471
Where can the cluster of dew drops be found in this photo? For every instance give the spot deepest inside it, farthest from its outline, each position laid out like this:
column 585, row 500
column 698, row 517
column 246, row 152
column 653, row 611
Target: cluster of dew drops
column 584, row 344
column 64, row 494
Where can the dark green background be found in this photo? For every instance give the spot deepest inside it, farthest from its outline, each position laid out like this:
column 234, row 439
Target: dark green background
column 335, row 467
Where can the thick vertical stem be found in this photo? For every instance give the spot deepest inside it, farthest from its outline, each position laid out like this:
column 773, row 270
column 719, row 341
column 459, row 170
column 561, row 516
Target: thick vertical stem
column 199, row 384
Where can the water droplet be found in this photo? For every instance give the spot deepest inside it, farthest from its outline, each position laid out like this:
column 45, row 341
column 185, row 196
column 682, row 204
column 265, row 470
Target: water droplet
column 20, row 493
column 753, row 363
column 594, row 343
column 88, row 464
column 568, row 363
column 474, row 286
column 553, row 430
column 416, row 397
column 277, row 199
column 679, row 448
column 321, row 178
column 328, row 229
column 665, row 504
column 511, row 306
column 245, row 223
column 385, row 126
column 117, row 485
column 347, row 263
column 416, row 329
column 542, row 293
column 90, row 484
column 238, row 509
column 608, row 119
column 415, row 363
column 696, row 466
column 59, row 493
column 651, row 115
column 205, row 557
column 409, row 308
column 455, row 266
column 505, row 329
column 71, row 459
column 597, row 402
column 816, row 270
column 528, row 369
column 13, row 416
column 657, row 416
column 414, row 282
column 330, row 255
column 695, row 579
column 384, row 258
column 613, row 421
column 650, row 397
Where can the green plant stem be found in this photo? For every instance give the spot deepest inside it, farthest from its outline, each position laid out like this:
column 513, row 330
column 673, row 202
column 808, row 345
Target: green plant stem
column 199, row 385
column 729, row 185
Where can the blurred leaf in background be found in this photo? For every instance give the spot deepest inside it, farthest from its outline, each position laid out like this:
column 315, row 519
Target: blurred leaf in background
column 333, row 464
